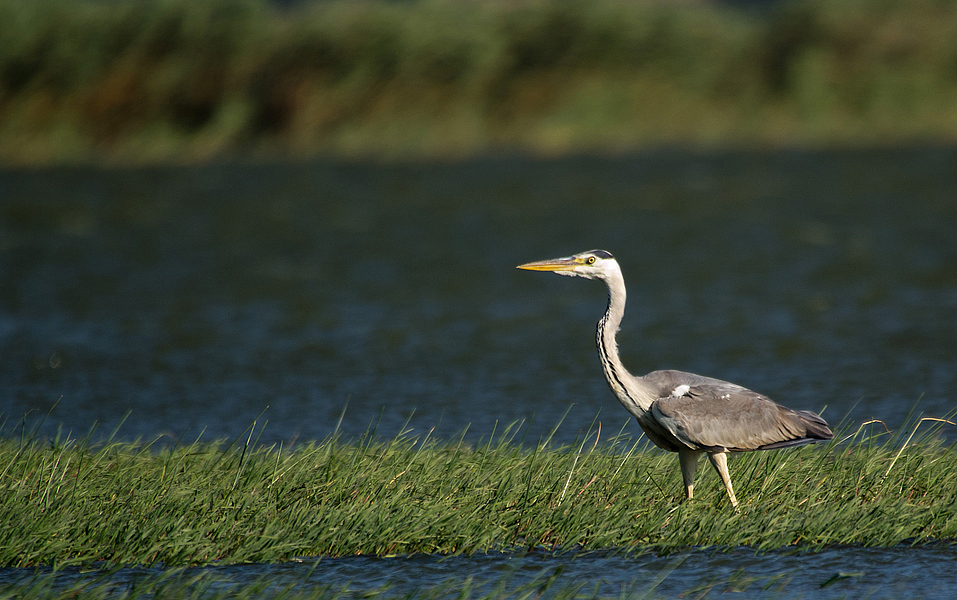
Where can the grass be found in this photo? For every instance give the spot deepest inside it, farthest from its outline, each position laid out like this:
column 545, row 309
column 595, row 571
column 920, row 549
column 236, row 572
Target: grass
column 187, row 79
column 71, row 502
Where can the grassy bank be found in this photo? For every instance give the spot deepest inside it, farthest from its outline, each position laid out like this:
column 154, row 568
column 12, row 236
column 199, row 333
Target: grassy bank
column 69, row 502
column 182, row 79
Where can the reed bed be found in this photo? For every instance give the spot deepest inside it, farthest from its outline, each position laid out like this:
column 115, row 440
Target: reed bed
column 76, row 502
column 190, row 79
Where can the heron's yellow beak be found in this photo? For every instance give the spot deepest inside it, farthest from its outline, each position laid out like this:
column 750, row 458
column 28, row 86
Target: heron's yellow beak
column 552, row 264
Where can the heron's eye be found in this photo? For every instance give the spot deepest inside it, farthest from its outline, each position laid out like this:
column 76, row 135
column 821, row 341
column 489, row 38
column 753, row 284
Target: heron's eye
column 590, row 260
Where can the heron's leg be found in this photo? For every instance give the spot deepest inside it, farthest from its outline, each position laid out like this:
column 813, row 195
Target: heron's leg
column 689, row 465
column 719, row 460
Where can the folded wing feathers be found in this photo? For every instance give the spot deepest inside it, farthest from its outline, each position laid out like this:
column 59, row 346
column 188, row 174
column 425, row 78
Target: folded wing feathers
column 714, row 415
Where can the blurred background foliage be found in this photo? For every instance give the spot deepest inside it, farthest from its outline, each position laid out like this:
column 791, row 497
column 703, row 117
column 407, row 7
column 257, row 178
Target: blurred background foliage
column 142, row 80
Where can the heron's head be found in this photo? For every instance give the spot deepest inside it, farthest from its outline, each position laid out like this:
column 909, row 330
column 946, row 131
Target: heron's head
column 594, row 264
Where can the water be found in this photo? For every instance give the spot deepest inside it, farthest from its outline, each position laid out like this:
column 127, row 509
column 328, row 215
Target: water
column 195, row 298
column 198, row 299
column 904, row 572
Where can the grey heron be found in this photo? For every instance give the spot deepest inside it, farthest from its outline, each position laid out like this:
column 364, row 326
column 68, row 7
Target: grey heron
column 683, row 412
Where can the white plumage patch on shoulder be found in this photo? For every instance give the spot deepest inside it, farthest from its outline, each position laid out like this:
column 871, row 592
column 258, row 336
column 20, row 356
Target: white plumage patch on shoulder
column 680, row 391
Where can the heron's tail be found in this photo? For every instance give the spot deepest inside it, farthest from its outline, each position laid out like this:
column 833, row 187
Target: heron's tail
column 816, row 426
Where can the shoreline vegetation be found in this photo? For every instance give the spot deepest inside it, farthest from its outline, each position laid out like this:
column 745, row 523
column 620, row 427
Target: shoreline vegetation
column 75, row 503
column 187, row 80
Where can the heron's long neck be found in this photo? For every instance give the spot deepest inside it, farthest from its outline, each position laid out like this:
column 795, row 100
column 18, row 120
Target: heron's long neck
column 633, row 394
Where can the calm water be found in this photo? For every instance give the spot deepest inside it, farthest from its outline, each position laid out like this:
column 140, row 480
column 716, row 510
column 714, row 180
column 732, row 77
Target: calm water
column 196, row 299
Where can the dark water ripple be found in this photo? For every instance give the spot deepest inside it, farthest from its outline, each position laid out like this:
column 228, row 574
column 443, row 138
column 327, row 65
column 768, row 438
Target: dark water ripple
column 849, row 572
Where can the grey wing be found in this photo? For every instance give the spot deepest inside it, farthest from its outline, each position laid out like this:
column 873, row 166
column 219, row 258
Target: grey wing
column 713, row 415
